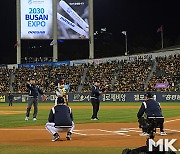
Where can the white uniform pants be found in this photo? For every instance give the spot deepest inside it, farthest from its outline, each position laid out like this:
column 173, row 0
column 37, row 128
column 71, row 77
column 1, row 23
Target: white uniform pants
column 52, row 129
column 55, row 101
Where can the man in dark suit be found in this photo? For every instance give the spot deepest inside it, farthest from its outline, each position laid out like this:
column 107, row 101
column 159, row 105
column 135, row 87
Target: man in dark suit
column 10, row 97
column 95, row 93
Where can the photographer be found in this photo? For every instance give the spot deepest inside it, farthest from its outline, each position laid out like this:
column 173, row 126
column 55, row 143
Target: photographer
column 152, row 110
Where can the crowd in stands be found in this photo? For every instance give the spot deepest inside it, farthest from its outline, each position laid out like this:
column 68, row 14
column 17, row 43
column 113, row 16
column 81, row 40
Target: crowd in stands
column 167, row 72
column 71, row 74
column 47, row 77
column 121, row 76
column 23, row 74
column 4, row 80
column 105, row 72
column 132, row 75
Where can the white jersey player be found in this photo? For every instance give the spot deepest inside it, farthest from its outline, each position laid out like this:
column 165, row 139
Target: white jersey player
column 60, row 91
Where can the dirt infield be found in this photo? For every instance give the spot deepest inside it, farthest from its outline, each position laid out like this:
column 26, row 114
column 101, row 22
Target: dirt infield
column 96, row 134
column 87, row 135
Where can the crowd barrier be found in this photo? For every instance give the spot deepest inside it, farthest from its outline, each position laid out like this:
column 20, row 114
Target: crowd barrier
column 105, row 97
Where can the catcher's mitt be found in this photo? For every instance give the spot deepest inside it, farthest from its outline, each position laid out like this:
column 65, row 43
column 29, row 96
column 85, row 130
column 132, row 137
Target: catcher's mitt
column 44, row 98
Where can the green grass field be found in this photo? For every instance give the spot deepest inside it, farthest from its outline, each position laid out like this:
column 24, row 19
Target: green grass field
column 80, row 115
column 107, row 115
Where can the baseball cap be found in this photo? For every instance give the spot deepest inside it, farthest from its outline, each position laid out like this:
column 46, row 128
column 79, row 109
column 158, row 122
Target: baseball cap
column 60, row 100
column 149, row 95
column 97, row 80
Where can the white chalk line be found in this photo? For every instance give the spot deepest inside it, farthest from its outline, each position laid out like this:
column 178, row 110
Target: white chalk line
column 13, row 111
column 20, row 129
column 171, row 120
column 122, row 131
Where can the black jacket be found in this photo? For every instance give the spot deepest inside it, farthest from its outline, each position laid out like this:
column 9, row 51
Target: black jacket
column 10, row 96
column 34, row 90
column 95, row 92
column 151, row 108
column 61, row 115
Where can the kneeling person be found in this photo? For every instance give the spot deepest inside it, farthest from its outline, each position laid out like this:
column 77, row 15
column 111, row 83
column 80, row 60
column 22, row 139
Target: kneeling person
column 60, row 120
column 152, row 110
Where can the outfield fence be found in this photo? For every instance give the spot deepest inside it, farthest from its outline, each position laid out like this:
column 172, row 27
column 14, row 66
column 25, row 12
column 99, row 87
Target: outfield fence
column 105, row 97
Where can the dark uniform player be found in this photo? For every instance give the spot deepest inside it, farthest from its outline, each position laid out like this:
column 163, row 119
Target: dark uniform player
column 33, row 90
column 95, row 93
column 10, row 97
column 60, row 119
column 153, row 110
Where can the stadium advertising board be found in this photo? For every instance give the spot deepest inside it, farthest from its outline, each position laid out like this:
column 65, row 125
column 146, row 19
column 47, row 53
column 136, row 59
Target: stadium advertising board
column 32, row 65
column 36, row 19
column 106, row 97
column 73, row 19
column 2, row 98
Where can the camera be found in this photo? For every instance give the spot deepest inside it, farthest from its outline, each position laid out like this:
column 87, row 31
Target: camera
column 150, row 126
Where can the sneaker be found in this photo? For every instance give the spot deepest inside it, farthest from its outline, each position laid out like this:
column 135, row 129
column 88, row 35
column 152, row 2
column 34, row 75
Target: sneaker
column 94, row 119
column 144, row 134
column 163, row 134
column 68, row 137
column 34, row 119
column 27, row 118
column 55, row 138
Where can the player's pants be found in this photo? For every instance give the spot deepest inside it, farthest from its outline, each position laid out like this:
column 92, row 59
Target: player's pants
column 53, row 130
column 34, row 102
column 10, row 102
column 95, row 103
column 55, row 101
column 159, row 121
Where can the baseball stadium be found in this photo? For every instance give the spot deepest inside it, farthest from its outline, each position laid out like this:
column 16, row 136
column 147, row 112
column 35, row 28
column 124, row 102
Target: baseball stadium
column 120, row 93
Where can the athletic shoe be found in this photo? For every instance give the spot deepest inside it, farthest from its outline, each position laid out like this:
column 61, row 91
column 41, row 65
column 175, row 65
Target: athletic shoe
column 55, row 138
column 163, row 134
column 94, row 119
column 27, row 118
column 68, row 137
column 144, row 134
column 34, row 119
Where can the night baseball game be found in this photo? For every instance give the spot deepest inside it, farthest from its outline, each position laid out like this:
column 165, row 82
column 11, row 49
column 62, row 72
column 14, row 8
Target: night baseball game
column 90, row 76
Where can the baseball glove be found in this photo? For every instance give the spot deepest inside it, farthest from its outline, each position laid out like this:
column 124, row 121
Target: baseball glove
column 44, row 98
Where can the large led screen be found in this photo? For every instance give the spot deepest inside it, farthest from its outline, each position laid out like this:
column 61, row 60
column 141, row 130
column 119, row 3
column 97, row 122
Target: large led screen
column 73, row 19
column 36, row 19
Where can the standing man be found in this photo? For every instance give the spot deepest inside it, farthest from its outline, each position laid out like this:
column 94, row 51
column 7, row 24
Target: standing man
column 95, row 93
column 60, row 120
column 152, row 110
column 33, row 90
column 10, row 97
column 60, row 91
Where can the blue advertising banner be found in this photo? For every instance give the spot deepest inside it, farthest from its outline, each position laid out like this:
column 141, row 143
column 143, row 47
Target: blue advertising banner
column 106, row 97
column 32, row 65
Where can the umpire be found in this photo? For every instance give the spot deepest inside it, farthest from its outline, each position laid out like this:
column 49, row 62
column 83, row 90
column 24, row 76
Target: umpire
column 152, row 110
column 95, row 93
column 33, row 90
